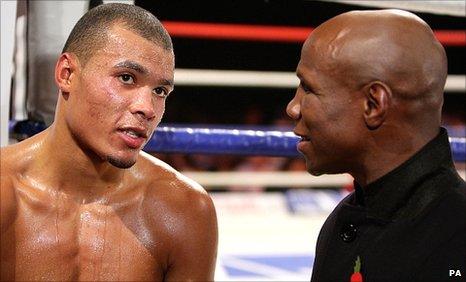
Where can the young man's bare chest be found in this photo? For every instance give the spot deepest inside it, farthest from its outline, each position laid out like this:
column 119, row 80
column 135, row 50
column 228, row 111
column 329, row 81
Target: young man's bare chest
column 54, row 238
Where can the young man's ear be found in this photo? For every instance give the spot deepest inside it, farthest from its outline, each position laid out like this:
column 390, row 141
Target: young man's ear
column 377, row 101
column 65, row 71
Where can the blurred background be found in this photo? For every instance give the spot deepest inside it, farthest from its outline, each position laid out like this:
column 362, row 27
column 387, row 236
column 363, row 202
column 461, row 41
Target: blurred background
column 235, row 63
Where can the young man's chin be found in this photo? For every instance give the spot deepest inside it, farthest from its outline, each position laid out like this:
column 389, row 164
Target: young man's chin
column 121, row 162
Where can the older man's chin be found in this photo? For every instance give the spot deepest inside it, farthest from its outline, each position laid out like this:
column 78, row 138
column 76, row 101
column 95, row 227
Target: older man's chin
column 312, row 169
column 318, row 170
column 315, row 172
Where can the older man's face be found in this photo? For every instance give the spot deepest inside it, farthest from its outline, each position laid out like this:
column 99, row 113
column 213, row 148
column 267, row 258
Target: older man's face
column 328, row 114
column 118, row 98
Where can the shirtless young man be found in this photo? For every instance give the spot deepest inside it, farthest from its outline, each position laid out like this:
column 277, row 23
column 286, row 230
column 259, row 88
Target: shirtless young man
column 80, row 201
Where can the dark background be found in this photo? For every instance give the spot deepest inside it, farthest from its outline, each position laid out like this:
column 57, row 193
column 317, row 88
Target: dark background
column 236, row 105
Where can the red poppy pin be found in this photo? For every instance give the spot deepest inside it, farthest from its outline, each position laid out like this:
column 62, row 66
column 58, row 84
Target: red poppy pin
column 357, row 276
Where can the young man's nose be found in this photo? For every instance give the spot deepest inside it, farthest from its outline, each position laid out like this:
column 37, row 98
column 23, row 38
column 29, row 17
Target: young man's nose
column 144, row 103
column 293, row 109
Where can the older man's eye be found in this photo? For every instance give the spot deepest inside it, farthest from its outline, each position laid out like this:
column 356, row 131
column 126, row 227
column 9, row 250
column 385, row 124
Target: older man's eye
column 126, row 78
column 305, row 88
column 160, row 91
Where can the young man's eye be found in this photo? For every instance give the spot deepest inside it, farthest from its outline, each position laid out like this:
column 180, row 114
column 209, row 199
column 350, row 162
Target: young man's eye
column 160, row 91
column 126, row 78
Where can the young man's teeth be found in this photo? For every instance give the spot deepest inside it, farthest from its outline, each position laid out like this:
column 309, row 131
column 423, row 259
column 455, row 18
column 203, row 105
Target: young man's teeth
column 131, row 133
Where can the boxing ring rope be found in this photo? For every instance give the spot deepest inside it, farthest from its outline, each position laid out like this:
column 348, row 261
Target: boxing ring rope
column 272, row 179
column 272, row 33
column 442, row 7
column 245, row 141
column 272, row 79
column 248, row 142
column 273, row 143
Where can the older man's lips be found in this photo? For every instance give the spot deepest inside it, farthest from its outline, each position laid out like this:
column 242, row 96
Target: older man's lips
column 303, row 142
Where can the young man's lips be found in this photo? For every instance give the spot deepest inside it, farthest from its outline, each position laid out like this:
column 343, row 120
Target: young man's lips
column 131, row 139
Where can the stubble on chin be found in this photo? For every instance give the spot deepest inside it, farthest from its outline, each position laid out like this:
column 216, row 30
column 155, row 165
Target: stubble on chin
column 120, row 163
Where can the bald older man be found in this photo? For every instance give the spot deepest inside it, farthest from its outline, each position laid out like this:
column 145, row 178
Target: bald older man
column 369, row 104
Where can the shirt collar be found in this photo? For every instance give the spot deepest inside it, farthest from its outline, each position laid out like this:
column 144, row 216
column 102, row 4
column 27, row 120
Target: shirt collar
column 385, row 196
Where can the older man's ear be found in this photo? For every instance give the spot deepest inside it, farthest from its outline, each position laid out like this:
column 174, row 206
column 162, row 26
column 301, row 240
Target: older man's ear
column 376, row 103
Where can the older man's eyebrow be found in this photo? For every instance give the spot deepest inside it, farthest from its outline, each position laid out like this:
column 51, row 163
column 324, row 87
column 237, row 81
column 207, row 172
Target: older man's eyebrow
column 305, row 82
column 132, row 65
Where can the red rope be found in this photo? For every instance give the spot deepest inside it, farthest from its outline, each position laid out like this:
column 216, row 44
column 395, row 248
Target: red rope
column 451, row 37
column 273, row 33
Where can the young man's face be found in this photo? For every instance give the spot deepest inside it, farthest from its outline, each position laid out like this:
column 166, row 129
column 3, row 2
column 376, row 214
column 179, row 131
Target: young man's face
column 328, row 114
column 118, row 98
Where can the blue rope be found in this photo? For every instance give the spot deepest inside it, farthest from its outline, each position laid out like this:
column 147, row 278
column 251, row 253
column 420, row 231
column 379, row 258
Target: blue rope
column 263, row 141
column 223, row 141
column 277, row 143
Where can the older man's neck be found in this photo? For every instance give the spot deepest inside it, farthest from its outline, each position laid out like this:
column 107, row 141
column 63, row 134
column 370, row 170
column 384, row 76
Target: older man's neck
column 389, row 154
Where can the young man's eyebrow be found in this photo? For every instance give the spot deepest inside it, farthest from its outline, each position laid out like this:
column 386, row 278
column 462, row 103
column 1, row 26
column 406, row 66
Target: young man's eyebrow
column 141, row 69
column 132, row 65
column 167, row 82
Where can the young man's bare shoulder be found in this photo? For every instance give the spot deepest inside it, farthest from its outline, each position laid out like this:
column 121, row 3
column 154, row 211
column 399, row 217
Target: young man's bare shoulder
column 9, row 167
column 181, row 204
column 165, row 183
column 14, row 161
column 16, row 157
column 159, row 172
column 8, row 154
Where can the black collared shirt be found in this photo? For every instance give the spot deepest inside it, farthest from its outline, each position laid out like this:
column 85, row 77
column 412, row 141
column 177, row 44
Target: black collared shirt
column 409, row 225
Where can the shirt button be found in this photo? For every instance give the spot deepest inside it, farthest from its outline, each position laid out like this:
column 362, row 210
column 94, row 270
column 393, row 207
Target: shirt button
column 348, row 233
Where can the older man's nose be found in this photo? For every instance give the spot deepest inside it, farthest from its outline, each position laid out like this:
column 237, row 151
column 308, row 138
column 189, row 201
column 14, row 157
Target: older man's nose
column 293, row 109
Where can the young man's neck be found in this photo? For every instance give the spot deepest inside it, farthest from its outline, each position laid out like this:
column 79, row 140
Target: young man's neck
column 73, row 171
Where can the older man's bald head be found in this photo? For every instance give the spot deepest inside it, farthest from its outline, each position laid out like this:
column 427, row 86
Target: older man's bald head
column 392, row 46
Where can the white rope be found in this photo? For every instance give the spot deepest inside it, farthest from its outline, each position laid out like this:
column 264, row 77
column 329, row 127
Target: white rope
column 272, row 179
column 456, row 83
column 267, row 179
column 131, row 2
column 444, row 7
column 237, row 78
column 203, row 77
